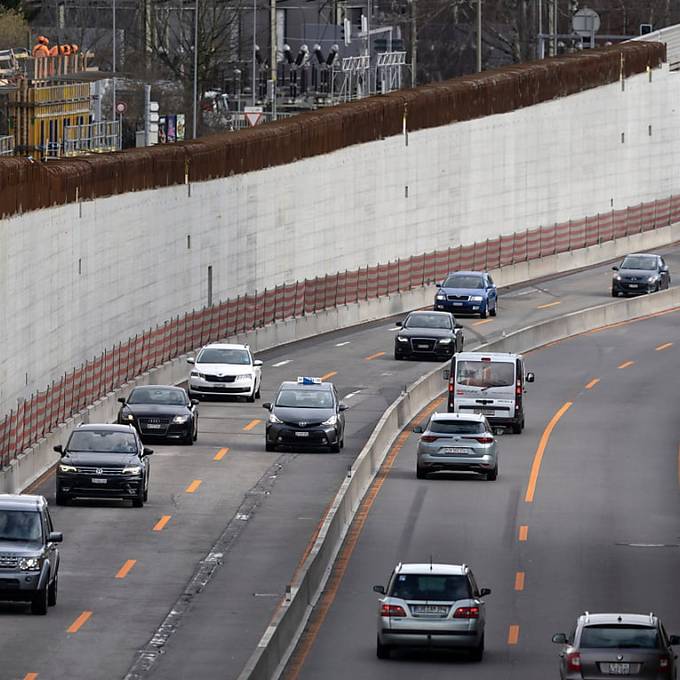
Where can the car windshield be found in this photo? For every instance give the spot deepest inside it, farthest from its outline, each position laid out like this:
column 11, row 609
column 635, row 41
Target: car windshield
column 485, row 373
column 305, row 399
column 463, row 281
column 153, row 395
column 428, row 321
column 20, row 525
column 430, row 587
column 456, row 427
column 102, row 441
column 638, row 262
column 619, row 637
column 215, row 355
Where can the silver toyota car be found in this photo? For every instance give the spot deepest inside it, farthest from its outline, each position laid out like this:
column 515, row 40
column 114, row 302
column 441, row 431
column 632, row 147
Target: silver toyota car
column 457, row 442
column 436, row 606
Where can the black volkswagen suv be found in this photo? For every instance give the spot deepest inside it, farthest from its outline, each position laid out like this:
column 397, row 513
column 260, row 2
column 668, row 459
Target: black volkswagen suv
column 29, row 559
column 306, row 415
column 103, row 461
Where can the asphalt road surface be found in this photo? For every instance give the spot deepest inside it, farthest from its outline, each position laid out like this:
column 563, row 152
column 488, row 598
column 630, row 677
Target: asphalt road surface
column 196, row 574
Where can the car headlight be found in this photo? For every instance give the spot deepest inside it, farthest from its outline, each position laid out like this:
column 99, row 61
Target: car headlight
column 67, row 468
column 132, row 470
column 400, row 339
column 178, row 420
column 440, row 297
column 476, row 298
column 274, row 419
column 244, row 376
column 196, row 374
column 331, row 421
column 617, row 277
column 128, row 416
column 445, row 341
column 651, row 279
column 30, row 564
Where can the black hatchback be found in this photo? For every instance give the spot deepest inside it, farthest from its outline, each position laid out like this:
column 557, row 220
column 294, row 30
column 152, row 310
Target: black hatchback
column 103, row 461
column 428, row 335
column 640, row 273
column 161, row 411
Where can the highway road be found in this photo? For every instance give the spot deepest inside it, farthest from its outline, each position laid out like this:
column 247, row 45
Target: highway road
column 198, row 571
column 595, row 527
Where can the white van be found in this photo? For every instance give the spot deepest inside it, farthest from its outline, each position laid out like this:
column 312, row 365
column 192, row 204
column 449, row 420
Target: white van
column 491, row 384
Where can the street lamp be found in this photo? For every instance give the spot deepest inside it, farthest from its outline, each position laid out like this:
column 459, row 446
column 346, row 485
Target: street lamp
column 194, row 122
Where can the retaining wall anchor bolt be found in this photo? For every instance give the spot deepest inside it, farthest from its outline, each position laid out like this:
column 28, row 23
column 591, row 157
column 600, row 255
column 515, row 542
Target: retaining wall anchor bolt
column 349, row 470
column 288, row 593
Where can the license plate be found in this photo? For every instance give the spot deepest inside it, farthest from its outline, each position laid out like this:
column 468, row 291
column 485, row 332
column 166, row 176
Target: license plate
column 99, row 480
column 454, row 449
column 619, row 669
column 440, row 610
column 485, row 411
column 153, row 426
column 423, row 346
column 302, row 434
column 457, row 304
column 632, row 285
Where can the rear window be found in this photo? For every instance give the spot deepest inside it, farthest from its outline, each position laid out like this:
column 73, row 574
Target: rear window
column 485, row 373
column 619, row 637
column 430, row 587
column 456, row 427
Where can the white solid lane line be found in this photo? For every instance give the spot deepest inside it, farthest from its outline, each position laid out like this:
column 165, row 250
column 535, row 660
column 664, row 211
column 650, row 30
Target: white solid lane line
column 281, row 363
column 342, row 344
column 352, row 394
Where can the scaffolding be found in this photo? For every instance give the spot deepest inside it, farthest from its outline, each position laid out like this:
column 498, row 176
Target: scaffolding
column 356, row 81
column 6, row 146
column 389, row 70
column 91, row 138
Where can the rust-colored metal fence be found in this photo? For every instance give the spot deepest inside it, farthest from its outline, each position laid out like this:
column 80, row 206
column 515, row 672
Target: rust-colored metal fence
column 26, row 185
column 40, row 414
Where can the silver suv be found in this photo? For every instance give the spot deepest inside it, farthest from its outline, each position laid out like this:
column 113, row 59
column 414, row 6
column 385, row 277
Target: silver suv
column 632, row 645
column 432, row 606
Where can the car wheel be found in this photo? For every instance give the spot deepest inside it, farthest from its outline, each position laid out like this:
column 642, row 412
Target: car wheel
column 335, row 448
column 61, row 499
column 615, row 293
column 250, row 398
column 397, row 357
column 382, row 651
column 138, row 502
column 517, row 427
column 492, row 475
column 420, row 473
column 483, row 313
column 257, row 394
column 39, row 602
column 494, row 311
column 146, row 490
column 196, row 431
column 189, row 439
column 52, row 591
column 478, row 652
column 269, row 447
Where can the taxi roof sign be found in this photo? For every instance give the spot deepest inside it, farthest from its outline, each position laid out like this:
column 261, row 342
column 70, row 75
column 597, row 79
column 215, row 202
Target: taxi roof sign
column 303, row 380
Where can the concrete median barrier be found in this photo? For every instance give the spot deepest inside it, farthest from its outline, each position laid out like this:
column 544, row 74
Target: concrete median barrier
column 280, row 638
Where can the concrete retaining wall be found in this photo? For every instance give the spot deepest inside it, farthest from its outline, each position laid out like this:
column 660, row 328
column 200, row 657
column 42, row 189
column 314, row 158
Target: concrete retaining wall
column 78, row 278
column 278, row 642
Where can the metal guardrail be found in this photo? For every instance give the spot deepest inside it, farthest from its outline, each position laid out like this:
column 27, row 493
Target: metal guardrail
column 671, row 37
column 91, row 138
column 6, row 146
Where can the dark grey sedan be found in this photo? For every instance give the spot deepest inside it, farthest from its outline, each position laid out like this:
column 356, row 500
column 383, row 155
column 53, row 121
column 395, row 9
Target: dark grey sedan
column 426, row 335
column 640, row 273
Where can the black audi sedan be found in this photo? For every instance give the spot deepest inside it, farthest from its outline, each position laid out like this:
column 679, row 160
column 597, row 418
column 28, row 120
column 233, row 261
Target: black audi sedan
column 306, row 414
column 640, row 273
column 103, row 461
column 424, row 335
column 161, row 411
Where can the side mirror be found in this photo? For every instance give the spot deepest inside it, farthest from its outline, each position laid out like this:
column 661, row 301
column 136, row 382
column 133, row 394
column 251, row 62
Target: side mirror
column 398, row 324
column 195, row 402
column 55, row 537
column 379, row 589
column 560, row 639
column 615, row 269
column 484, row 591
column 530, row 377
column 147, row 452
column 664, row 268
column 342, row 407
column 191, row 360
column 674, row 639
column 418, row 429
column 267, row 405
column 257, row 362
column 439, row 285
column 122, row 400
column 446, row 374
column 59, row 449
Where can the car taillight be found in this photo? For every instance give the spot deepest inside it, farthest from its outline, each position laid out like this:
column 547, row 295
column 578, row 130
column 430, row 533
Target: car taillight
column 466, row 613
column 518, row 387
column 428, row 438
column 391, row 610
column 574, row 661
column 481, row 440
column 451, row 385
column 664, row 663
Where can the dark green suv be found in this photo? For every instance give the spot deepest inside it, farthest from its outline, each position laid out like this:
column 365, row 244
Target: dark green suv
column 29, row 559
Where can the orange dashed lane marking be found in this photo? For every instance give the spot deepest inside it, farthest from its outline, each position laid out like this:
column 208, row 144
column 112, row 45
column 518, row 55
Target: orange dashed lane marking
column 542, row 444
column 193, row 486
column 513, row 634
column 519, row 580
column 30, row 676
column 329, row 375
column 342, row 561
column 666, row 345
column 482, row 322
column 79, row 622
column 626, row 364
column 125, row 569
column 221, row 453
column 162, row 522
column 523, row 532
column 375, row 356
column 252, row 424
column 549, row 304
column 592, row 383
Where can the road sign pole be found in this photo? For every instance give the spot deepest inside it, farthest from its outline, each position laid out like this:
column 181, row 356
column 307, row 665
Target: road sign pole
column 147, row 101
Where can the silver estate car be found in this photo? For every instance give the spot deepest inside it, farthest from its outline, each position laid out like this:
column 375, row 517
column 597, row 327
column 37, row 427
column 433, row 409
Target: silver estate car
column 632, row 645
column 436, row 606
column 457, row 442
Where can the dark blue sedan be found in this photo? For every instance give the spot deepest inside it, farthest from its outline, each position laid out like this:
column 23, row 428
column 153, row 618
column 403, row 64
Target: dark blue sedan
column 467, row 293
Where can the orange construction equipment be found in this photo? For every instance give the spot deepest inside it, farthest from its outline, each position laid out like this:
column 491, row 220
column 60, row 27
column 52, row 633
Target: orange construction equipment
column 74, row 48
column 54, row 51
column 41, row 48
column 65, row 49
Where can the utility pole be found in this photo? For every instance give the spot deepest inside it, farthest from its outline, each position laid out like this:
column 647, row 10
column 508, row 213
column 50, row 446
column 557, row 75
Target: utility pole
column 254, row 85
column 554, row 27
column 479, row 36
column 194, row 125
column 414, row 44
column 551, row 41
column 273, row 54
column 539, row 50
column 113, row 59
